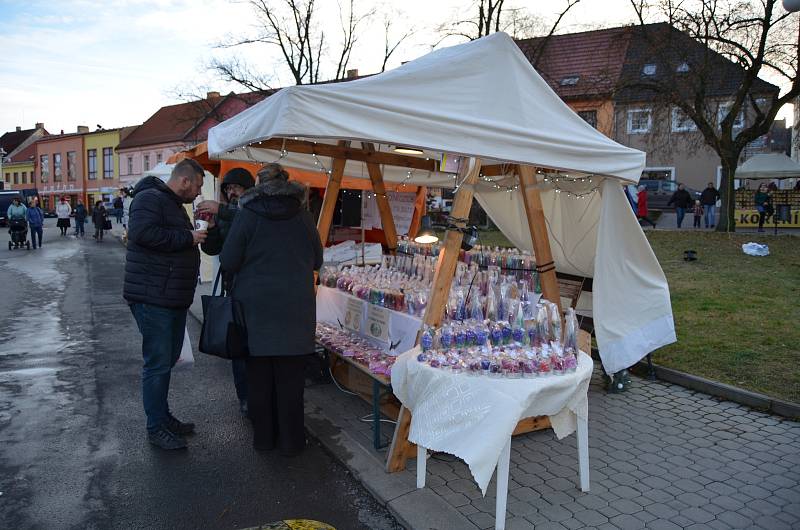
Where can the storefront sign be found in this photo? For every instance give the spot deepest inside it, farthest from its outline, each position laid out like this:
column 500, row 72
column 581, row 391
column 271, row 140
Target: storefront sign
column 377, row 326
column 354, row 315
column 749, row 219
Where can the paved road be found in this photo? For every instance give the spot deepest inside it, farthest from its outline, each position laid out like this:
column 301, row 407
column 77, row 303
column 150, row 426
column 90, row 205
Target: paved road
column 72, row 447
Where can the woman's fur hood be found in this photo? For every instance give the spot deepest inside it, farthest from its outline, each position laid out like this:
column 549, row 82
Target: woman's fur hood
column 276, row 187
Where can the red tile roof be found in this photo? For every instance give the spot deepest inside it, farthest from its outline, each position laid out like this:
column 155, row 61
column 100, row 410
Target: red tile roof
column 26, row 155
column 595, row 58
column 11, row 140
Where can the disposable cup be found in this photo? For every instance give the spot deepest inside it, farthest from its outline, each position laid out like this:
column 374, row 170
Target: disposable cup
column 201, row 224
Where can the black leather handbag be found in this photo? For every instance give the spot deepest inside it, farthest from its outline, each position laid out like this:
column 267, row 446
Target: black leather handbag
column 224, row 333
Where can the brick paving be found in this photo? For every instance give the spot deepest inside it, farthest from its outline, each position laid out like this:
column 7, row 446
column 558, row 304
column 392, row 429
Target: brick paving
column 661, row 457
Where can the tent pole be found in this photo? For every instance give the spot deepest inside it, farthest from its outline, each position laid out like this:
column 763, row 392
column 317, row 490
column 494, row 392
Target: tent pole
column 331, row 196
column 378, row 187
column 538, row 227
column 401, row 449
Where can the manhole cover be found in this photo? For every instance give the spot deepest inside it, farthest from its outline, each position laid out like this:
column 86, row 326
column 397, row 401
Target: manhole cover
column 293, row 524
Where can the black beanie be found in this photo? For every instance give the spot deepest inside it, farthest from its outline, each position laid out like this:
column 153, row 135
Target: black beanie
column 240, row 176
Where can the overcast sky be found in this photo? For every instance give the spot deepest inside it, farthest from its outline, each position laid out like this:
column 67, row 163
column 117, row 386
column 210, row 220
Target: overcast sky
column 115, row 62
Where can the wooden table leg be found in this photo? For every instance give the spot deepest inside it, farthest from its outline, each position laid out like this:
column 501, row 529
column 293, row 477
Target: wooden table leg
column 583, row 452
column 503, row 464
column 422, row 464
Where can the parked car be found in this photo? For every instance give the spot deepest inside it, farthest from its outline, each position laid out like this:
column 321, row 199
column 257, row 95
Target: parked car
column 50, row 214
column 659, row 193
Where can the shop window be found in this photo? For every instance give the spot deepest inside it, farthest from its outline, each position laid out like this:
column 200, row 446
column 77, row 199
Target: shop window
column 639, row 121
column 108, row 163
column 71, row 170
column 91, row 158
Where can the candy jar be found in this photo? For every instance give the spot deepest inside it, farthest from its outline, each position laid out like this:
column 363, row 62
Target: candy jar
column 446, row 337
column 426, row 341
column 496, row 335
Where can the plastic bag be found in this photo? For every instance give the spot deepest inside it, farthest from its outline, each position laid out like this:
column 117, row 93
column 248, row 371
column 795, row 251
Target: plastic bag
column 755, row 249
column 186, row 360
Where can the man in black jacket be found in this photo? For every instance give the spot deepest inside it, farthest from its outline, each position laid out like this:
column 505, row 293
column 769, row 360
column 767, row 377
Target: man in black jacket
column 161, row 269
column 709, row 198
column 682, row 201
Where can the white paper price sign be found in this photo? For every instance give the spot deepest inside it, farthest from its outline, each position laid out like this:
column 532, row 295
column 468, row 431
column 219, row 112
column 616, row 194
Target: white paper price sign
column 354, row 315
column 377, row 326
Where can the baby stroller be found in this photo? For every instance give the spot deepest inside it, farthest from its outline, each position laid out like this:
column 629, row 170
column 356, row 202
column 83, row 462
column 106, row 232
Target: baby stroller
column 18, row 228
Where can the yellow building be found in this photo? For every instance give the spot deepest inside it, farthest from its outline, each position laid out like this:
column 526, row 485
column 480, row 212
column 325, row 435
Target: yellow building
column 100, row 165
column 18, row 175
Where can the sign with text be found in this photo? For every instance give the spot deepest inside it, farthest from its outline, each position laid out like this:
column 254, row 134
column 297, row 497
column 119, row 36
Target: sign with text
column 354, row 315
column 749, row 219
column 401, row 204
column 377, row 326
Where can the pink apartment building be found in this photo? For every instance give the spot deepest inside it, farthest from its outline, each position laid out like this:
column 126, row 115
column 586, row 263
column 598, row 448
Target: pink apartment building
column 60, row 169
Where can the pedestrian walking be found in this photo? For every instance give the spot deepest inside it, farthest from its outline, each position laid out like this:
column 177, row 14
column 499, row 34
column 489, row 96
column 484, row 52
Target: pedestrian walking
column 708, row 199
column 16, row 210
column 80, row 219
column 99, row 218
column 234, row 184
column 682, row 201
column 117, row 204
column 35, row 217
column 63, row 211
column 273, row 248
column 162, row 263
column 126, row 207
column 763, row 203
column 697, row 212
column 641, row 205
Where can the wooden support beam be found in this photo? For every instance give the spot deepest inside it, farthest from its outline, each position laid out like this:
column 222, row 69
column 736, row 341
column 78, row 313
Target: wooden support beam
column 387, row 221
column 401, row 449
column 538, row 228
column 331, row 195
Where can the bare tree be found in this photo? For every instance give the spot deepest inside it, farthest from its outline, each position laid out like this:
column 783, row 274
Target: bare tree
column 490, row 16
column 709, row 58
column 390, row 45
column 293, row 27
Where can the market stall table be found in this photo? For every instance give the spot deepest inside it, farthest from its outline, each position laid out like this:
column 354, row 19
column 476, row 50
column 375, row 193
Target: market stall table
column 473, row 417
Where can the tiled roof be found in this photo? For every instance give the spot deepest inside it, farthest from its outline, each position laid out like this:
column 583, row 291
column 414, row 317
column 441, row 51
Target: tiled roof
column 579, row 65
column 26, row 155
column 665, row 47
column 11, row 140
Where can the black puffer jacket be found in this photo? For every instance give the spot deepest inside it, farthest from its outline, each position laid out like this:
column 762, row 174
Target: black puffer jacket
column 162, row 262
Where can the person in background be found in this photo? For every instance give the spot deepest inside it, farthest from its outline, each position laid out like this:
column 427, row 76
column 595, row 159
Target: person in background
column 35, row 217
column 682, row 201
column 63, row 211
column 80, row 219
column 708, row 199
column 16, row 210
column 697, row 211
column 273, row 248
column 641, row 205
column 99, row 217
column 118, row 208
column 772, row 186
column 234, row 184
column 763, row 204
column 161, row 267
column 126, row 208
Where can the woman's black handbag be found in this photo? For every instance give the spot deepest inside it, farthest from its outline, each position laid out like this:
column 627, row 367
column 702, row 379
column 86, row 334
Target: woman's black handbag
column 224, row 333
column 106, row 224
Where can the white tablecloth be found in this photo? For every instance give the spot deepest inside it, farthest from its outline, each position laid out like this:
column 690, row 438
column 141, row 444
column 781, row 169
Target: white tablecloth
column 403, row 328
column 472, row 417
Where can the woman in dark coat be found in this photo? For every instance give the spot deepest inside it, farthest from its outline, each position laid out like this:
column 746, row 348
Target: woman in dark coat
column 273, row 249
column 99, row 217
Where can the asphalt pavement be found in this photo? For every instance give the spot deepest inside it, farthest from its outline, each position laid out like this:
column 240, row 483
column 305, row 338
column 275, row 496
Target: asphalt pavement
column 73, row 452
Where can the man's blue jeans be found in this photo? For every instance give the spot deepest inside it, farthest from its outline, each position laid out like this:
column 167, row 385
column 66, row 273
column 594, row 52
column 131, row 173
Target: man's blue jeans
column 162, row 332
column 36, row 231
column 79, row 226
column 680, row 212
column 711, row 214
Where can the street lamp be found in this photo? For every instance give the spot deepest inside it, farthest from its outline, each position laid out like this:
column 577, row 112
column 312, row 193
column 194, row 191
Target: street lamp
column 2, row 178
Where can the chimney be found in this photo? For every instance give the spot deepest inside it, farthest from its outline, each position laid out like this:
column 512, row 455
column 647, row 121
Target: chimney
column 83, row 129
column 39, row 125
column 352, row 74
column 19, row 128
column 212, row 95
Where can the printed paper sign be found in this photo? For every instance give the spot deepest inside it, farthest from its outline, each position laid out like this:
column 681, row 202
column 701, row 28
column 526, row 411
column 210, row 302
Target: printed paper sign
column 377, row 326
column 402, row 206
column 354, row 315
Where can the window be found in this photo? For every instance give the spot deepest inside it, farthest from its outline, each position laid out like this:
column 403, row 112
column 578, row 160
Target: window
column 71, row 170
column 158, row 158
column 589, row 116
column 669, row 186
column 56, row 167
column 16, row 178
column 682, row 68
column 639, row 121
column 649, row 69
column 92, row 163
column 147, row 162
column 108, row 163
column 130, row 165
column 25, row 177
column 723, row 110
column 8, row 178
column 570, row 80
column 44, row 164
column 681, row 122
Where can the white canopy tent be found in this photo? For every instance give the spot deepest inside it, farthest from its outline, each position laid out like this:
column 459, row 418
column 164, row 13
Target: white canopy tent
column 769, row 166
column 484, row 100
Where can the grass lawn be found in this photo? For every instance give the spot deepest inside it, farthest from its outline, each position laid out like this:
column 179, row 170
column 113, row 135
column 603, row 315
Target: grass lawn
column 737, row 316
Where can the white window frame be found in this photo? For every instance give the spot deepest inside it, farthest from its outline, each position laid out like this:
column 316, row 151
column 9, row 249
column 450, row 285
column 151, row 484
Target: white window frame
column 676, row 126
column 722, row 111
column 649, row 112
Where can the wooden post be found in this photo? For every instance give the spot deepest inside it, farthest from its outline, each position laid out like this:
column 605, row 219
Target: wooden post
column 538, row 227
column 387, row 221
column 401, row 449
column 331, row 195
